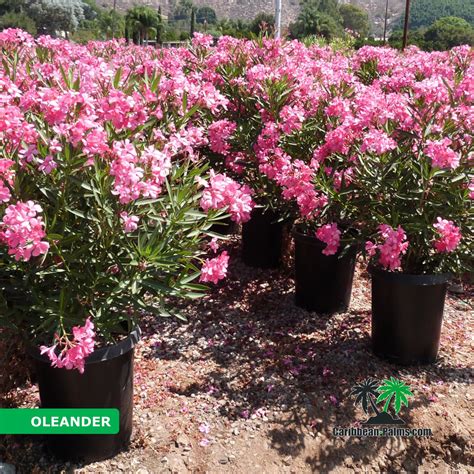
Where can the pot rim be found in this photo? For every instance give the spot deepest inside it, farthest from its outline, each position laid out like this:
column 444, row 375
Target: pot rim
column 410, row 278
column 313, row 240
column 102, row 354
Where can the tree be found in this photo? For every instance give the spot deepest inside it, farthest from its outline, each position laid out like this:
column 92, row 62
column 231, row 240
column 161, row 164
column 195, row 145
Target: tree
column 317, row 17
column 449, row 32
column 56, row 15
column 315, row 23
column 394, row 390
column 11, row 6
column 111, row 23
column 263, row 22
column 424, row 13
column 140, row 21
column 18, row 20
column 183, row 10
column 355, row 18
column 206, row 15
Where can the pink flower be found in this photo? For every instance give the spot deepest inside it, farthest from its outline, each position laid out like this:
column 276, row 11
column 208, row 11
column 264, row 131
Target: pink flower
column 215, row 269
column 74, row 354
column 378, row 142
column 442, row 156
column 48, row 165
column 22, row 230
column 330, row 235
column 204, row 442
column 394, row 245
column 222, row 192
column 450, row 236
column 219, row 134
column 204, row 428
column 130, row 223
column 214, row 244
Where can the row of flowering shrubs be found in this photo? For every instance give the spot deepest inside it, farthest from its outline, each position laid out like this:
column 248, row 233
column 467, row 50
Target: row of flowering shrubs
column 117, row 160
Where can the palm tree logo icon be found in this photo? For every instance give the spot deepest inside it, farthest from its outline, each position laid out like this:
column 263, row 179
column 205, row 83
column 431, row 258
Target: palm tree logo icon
column 369, row 393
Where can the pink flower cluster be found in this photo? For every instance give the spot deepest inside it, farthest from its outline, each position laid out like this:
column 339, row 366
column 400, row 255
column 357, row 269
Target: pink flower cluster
column 392, row 248
column 138, row 176
column 223, row 192
column 441, row 154
column 73, row 355
column 219, row 134
column 331, row 236
column 449, row 236
column 22, row 230
column 215, row 269
column 130, row 223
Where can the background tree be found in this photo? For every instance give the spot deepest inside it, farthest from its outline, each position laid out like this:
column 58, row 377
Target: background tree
column 51, row 16
column 183, row 10
column 424, row 13
column 111, row 24
column 18, row 20
column 317, row 17
column 263, row 22
column 448, row 32
column 355, row 18
column 206, row 15
column 140, row 21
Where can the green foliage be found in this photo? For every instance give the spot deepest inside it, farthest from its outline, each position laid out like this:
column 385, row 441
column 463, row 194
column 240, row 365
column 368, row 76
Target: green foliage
column 18, row 20
column 183, row 10
column 263, row 23
column 235, row 28
column 141, row 21
column 446, row 33
column 56, row 15
column 317, row 17
column 355, row 18
column 110, row 24
column 442, row 35
column 424, row 13
column 206, row 15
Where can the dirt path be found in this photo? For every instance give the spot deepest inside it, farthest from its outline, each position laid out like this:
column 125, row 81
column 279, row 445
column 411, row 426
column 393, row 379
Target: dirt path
column 252, row 384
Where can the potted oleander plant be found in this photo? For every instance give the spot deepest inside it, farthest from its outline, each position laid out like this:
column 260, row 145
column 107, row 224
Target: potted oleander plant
column 102, row 221
column 415, row 175
column 243, row 142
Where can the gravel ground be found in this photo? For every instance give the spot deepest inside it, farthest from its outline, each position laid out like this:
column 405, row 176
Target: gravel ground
column 253, row 384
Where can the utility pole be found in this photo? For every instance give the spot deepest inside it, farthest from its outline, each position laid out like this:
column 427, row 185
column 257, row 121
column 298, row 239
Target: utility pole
column 278, row 19
column 405, row 26
column 113, row 19
column 385, row 24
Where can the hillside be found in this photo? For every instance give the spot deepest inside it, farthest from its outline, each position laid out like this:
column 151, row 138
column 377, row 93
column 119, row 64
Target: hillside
column 248, row 9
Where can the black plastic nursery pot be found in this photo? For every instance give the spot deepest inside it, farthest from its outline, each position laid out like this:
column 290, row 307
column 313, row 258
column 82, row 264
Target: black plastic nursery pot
column 323, row 282
column 407, row 315
column 224, row 227
column 262, row 239
column 107, row 382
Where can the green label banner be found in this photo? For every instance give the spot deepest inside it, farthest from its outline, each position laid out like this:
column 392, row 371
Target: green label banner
column 59, row 421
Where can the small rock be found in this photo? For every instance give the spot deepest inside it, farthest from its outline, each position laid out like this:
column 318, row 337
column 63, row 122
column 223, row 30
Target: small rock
column 224, row 460
column 182, row 440
column 164, row 460
column 236, row 431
